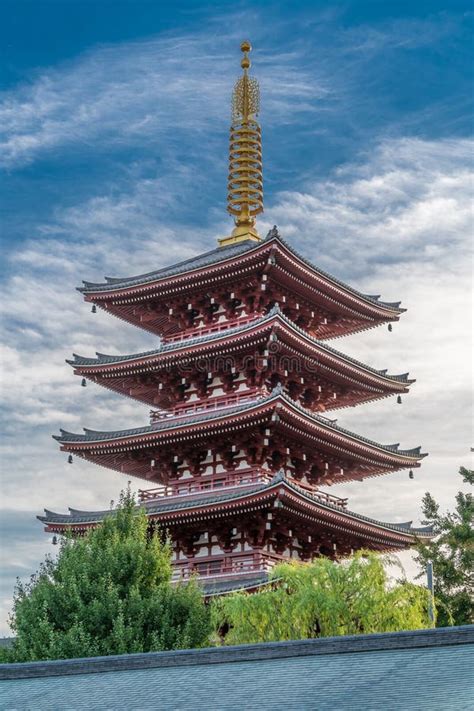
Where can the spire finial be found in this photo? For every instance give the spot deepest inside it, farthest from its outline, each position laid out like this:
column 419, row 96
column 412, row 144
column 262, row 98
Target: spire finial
column 245, row 47
column 245, row 184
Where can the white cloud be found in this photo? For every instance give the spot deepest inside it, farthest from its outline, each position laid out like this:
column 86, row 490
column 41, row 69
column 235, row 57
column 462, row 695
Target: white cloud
column 410, row 202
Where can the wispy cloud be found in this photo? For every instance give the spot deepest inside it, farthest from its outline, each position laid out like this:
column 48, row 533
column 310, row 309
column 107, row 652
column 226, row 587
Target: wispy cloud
column 153, row 91
column 408, row 203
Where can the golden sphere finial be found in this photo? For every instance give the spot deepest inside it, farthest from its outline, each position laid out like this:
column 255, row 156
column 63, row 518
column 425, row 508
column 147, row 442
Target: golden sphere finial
column 245, row 47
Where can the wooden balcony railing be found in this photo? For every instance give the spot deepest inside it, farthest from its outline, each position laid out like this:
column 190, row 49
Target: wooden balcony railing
column 215, row 403
column 243, row 478
column 237, row 565
column 212, row 328
column 195, row 486
column 323, row 497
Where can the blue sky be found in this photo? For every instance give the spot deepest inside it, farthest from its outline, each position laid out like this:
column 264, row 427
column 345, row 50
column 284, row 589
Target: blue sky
column 113, row 148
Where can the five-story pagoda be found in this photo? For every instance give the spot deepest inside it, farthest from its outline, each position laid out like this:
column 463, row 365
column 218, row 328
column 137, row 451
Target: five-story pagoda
column 237, row 451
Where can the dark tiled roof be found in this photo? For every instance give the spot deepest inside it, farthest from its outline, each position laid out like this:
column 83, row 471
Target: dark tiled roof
column 165, row 424
column 173, row 422
column 420, row 669
column 220, row 254
column 160, row 506
column 103, row 359
column 222, row 587
column 200, row 261
column 164, row 505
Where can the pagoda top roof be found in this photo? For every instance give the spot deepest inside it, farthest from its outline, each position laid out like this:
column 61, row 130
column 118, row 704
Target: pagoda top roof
column 162, row 506
column 222, row 254
column 277, row 395
column 275, row 313
column 218, row 254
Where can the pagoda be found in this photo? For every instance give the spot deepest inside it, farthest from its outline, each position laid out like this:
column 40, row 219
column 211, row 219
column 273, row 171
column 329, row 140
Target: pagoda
column 240, row 454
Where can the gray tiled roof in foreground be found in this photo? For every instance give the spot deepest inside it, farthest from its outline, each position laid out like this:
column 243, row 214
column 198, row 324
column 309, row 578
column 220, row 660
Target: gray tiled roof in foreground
column 409, row 671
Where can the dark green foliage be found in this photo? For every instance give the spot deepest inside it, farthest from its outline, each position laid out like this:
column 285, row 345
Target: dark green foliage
column 321, row 599
column 5, row 655
column 467, row 475
column 108, row 593
column 452, row 555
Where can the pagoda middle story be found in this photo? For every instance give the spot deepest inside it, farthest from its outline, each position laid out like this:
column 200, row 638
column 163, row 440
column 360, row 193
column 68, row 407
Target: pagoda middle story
column 239, row 463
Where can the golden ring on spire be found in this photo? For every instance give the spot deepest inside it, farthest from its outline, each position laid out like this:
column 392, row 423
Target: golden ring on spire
column 245, row 183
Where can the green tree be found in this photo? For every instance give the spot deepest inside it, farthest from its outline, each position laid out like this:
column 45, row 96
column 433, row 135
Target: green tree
column 108, row 592
column 321, row 599
column 452, row 555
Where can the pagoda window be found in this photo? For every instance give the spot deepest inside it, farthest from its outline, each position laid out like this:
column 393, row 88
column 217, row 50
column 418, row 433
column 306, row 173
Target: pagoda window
column 209, row 457
column 278, row 459
column 202, row 552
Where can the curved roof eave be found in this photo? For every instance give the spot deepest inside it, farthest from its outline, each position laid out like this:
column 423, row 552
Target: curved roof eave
column 96, row 436
column 76, row 517
column 222, row 254
column 275, row 312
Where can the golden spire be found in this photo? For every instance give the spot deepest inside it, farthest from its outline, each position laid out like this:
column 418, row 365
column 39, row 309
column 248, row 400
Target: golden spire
column 245, row 184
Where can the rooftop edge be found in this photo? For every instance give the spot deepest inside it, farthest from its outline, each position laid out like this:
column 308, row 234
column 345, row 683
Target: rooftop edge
column 414, row 639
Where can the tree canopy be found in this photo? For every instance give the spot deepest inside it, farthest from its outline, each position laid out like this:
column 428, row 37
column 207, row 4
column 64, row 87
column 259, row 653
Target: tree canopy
column 108, row 592
column 320, row 599
column 452, row 555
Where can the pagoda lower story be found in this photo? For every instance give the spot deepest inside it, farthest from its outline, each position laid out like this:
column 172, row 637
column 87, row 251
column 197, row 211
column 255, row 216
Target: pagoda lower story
column 232, row 536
